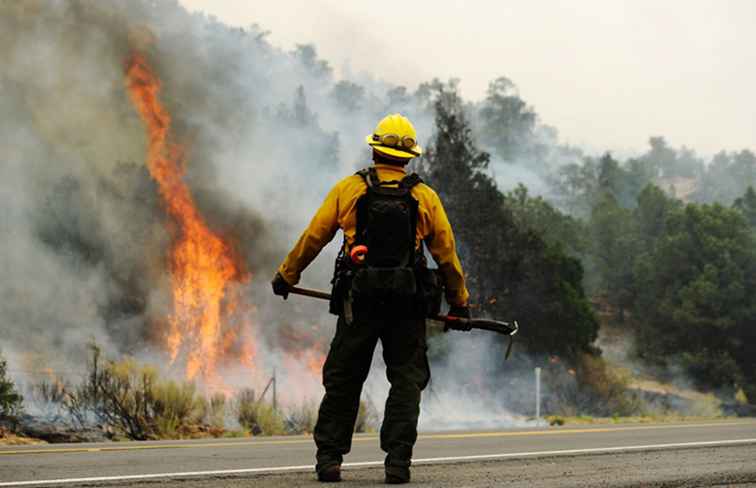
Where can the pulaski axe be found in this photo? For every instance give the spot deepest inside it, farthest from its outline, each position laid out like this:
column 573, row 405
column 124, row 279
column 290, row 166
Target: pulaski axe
column 444, row 322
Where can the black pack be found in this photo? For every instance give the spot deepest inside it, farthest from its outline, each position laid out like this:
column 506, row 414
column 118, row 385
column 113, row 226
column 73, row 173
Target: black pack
column 394, row 281
column 386, row 224
column 387, row 220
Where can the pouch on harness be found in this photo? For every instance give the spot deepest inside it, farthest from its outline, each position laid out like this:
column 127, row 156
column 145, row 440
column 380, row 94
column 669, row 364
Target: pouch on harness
column 394, row 281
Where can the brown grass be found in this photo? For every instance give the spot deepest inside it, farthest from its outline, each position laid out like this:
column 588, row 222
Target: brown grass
column 7, row 438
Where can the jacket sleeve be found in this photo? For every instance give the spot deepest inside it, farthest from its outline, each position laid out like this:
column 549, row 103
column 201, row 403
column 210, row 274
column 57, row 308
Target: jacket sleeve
column 321, row 230
column 442, row 247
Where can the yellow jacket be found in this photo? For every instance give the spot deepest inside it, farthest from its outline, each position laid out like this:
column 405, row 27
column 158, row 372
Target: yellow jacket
column 339, row 211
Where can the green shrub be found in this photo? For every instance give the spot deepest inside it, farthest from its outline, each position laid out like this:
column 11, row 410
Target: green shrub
column 269, row 419
column 11, row 402
column 707, row 405
column 606, row 388
column 740, row 397
column 589, row 386
column 301, row 419
column 215, row 414
column 245, row 410
column 259, row 418
column 176, row 407
column 131, row 400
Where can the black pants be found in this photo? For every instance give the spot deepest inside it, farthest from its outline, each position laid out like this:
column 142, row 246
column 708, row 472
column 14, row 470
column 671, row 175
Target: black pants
column 344, row 372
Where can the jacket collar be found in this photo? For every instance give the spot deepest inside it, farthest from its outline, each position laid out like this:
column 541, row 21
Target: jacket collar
column 391, row 168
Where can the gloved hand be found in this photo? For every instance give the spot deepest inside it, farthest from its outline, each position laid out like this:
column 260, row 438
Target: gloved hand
column 280, row 286
column 462, row 311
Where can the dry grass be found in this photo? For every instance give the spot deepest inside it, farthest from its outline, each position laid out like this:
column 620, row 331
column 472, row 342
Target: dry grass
column 609, row 385
column 8, row 438
column 131, row 401
column 690, row 403
column 258, row 417
column 557, row 420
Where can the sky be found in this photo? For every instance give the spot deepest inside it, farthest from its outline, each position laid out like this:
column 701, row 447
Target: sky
column 606, row 73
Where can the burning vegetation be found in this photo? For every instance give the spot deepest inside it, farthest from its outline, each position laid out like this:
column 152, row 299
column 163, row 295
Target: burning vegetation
column 211, row 327
column 124, row 399
column 210, row 324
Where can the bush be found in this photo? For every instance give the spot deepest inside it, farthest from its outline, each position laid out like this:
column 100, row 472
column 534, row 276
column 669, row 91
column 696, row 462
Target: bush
column 593, row 387
column 259, row 418
column 707, row 405
column 215, row 414
column 49, row 396
column 740, row 397
column 177, row 409
column 301, row 418
column 245, row 410
column 130, row 400
column 606, row 388
column 11, row 402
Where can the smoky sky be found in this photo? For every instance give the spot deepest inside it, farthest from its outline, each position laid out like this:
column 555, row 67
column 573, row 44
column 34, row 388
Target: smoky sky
column 607, row 74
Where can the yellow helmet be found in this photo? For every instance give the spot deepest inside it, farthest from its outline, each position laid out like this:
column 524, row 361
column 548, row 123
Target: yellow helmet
column 395, row 137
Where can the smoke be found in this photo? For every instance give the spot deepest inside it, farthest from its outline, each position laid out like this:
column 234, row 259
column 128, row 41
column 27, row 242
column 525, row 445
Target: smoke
column 661, row 388
column 484, row 391
column 267, row 133
column 60, row 236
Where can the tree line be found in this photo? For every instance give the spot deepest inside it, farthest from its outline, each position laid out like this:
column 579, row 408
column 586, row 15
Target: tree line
column 678, row 276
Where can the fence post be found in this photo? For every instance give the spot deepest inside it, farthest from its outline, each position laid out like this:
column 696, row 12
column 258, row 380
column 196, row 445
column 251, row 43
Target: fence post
column 275, row 394
column 538, row 395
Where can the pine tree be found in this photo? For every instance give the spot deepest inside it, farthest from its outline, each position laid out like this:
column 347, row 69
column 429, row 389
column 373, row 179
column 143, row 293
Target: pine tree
column 507, row 123
column 511, row 271
column 747, row 205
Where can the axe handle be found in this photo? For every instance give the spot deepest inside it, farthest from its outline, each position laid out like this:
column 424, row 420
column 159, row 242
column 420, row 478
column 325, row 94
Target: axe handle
column 454, row 322
column 307, row 292
column 507, row 328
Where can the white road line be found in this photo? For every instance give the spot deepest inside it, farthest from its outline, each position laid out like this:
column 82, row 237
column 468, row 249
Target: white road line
column 308, row 467
column 260, row 443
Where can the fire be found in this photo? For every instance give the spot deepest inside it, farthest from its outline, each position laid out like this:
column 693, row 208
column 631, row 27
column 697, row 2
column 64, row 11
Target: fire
column 307, row 347
column 315, row 361
column 207, row 324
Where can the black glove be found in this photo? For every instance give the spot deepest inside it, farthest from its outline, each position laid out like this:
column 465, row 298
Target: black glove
column 280, row 286
column 462, row 311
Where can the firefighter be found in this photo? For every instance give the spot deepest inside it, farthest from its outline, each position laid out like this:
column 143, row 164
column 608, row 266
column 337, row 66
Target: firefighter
column 383, row 290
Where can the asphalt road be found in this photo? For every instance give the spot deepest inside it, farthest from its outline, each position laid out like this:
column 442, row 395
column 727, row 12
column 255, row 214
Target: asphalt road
column 686, row 454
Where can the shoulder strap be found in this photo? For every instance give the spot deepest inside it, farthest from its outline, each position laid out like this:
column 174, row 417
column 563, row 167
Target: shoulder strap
column 411, row 181
column 370, row 176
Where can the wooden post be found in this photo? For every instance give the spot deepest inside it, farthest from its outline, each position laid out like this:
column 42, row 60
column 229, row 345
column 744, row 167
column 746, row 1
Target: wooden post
column 275, row 393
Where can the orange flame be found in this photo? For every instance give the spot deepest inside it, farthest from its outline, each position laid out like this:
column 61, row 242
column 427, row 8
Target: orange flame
column 315, row 361
column 202, row 329
column 306, row 347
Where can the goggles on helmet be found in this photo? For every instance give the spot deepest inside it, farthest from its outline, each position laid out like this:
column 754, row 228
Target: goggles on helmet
column 394, row 140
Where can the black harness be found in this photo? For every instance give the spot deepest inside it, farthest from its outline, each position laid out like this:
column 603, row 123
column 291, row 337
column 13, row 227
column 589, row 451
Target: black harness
column 387, row 220
column 394, row 280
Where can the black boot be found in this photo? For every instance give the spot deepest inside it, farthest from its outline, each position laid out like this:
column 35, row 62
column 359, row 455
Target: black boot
column 397, row 470
column 330, row 473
